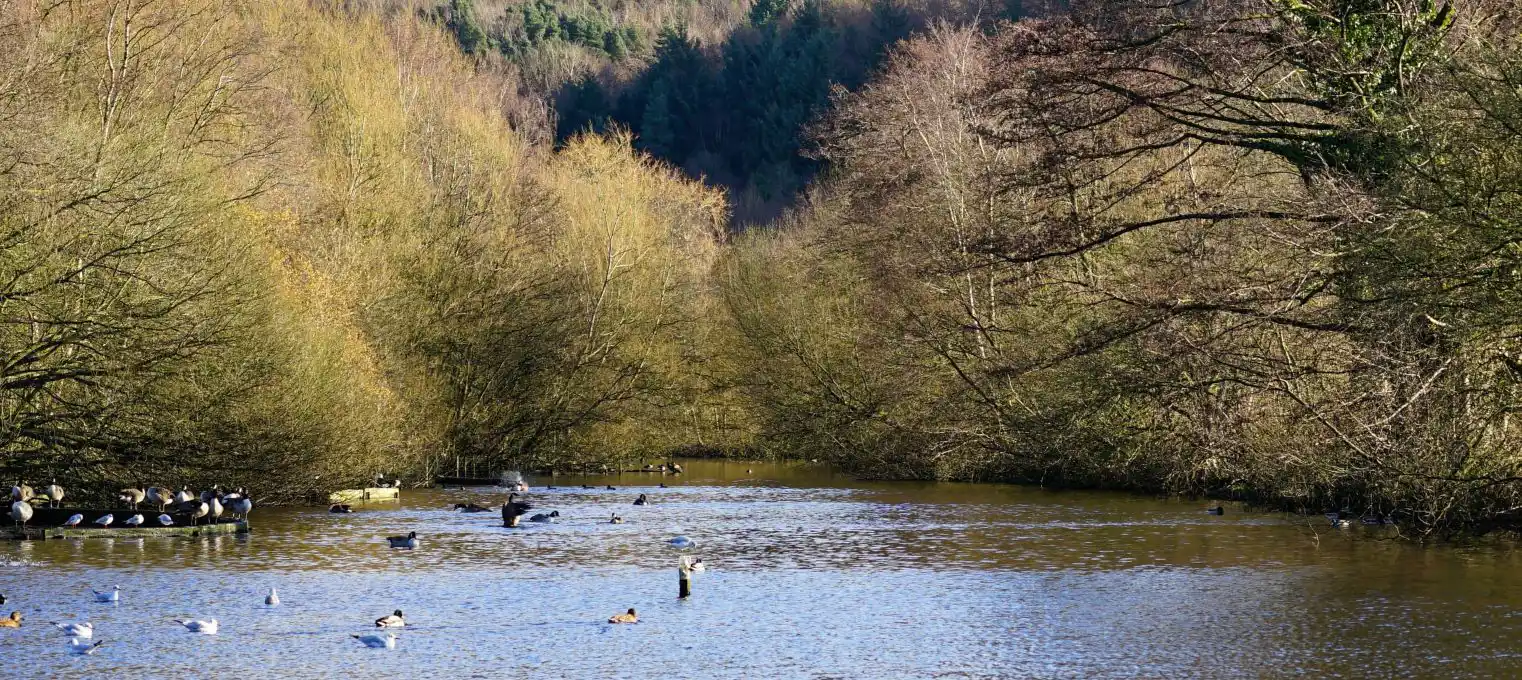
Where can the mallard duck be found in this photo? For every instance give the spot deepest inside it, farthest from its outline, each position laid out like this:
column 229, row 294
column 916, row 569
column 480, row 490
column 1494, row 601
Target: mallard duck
column 641, row 500
column 543, row 518
column 104, row 520
column 512, row 510
column 79, row 630
column 373, row 641
column 340, row 508
column 1217, row 510
column 14, row 621
column 272, row 599
column 133, row 521
column 616, row 519
column 626, row 617
column 392, row 620
column 198, row 626
column 409, row 541
column 79, row 646
column 166, row 520
column 74, row 520
column 112, row 595
column 471, row 507
column 132, row 496
column 21, row 512
column 55, row 493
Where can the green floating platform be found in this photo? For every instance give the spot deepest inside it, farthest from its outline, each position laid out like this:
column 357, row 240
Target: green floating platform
column 34, row 533
column 362, row 495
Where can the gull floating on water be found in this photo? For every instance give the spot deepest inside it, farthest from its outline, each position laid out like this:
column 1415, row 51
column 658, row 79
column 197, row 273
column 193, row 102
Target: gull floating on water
column 79, row 630
column 79, row 646
column 198, row 626
column 272, row 599
column 112, row 595
column 387, row 641
column 74, row 520
column 392, row 620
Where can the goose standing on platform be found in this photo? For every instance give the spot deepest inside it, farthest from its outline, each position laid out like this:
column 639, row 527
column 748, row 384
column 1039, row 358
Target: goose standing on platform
column 387, row 641
column 197, row 626
column 112, row 595
column 241, row 506
column 55, row 494
column 214, row 492
column 132, row 496
column 184, row 495
column 74, row 520
column 512, row 510
column 159, row 497
column 166, row 520
column 215, row 507
column 105, row 520
column 133, row 521
column 21, row 512
column 409, row 541
column 392, row 620
column 197, row 510
column 79, row 646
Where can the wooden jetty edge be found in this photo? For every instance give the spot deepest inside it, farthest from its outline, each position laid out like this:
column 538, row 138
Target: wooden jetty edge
column 367, row 494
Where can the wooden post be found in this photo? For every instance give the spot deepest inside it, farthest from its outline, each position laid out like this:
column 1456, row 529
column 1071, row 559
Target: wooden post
column 684, row 577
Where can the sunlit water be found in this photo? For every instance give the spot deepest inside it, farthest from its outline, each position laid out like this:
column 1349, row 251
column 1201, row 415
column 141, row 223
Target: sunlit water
column 810, row 575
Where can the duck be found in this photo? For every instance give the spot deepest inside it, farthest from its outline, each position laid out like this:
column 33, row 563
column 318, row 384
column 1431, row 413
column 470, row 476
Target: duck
column 409, row 541
column 79, row 630
column 104, row 520
column 616, row 519
column 392, row 620
column 471, row 507
column 697, row 566
column 21, row 511
column 14, row 621
column 545, row 519
column 132, row 496
column 159, row 497
column 79, row 646
column 374, row 641
column 340, row 508
column 681, row 543
column 512, row 510
column 198, row 626
column 241, row 506
column 641, row 500
column 166, row 520
column 272, row 599
column 74, row 520
column 626, row 617
column 112, row 595
column 133, row 521
column 55, row 493
column 1217, row 510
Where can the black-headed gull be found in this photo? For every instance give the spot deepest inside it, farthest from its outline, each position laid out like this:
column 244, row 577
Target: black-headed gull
column 79, row 646
column 112, row 595
column 84, row 630
column 198, row 626
column 387, row 641
column 74, row 520
column 105, row 520
column 134, row 521
column 272, row 599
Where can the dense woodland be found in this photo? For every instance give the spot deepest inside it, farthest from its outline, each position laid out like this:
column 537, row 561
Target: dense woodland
column 1258, row 249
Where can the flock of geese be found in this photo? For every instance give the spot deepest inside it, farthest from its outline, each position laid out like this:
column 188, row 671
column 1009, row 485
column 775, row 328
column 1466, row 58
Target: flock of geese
column 211, row 503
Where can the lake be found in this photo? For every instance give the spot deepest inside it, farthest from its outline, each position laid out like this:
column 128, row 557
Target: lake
column 810, row 575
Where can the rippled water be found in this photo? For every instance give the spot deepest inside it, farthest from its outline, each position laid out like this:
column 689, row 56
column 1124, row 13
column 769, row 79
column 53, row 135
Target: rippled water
column 810, row 575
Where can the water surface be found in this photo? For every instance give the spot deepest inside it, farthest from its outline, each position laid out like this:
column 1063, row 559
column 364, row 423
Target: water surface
column 811, row 575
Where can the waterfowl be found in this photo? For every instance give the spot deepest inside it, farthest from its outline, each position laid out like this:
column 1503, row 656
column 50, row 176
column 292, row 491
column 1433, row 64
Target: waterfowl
column 676, row 467
column 512, row 510
column 132, row 496
column 392, row 620
column 184, row 495
column 587, row 486
column 13, row 622
column 55, row 493
column 166, row 520
column 198, row 626
column 340, row 508
column 697, row 566
column 2, row 598
column 272, row 599
column 610, row 488
column 21, row 492
column 641, row 500
column 198, row 509
column 78, row 630
column 74, row 520
column 21, row 512
column 1217, row 510
column 211, row 494
column 387, row 641
column 214, row 508
column 681, row 543
column 663, row 485
column 133, row 521
column 409, row 541
column 471, row 507
column 626, row 617
column 79, row 646
column 104, row 520
column 159, row 497
column 112, row 595
column 543, row 518
column 616, row 519
column 241, row 506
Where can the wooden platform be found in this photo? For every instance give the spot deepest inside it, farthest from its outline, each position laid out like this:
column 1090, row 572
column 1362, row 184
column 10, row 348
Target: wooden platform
column 14, row 533
column 363, row 495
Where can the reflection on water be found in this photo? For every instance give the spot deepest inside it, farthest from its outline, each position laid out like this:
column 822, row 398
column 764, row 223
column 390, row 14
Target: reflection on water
column 810, row 575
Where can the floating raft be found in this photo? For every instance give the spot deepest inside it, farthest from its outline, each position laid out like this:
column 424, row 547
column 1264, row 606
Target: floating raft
column 362, row 495
column 48, row 523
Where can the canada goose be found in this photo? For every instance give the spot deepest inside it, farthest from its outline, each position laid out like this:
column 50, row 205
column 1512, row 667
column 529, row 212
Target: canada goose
column 214, row 492
column 166, row 520
column 543, row 518
column 74, row 520
column 112, row 595
column 55, row 493
column 13, row 622
column 676, row 467
column 409, row 541
column 340, row 508
column 663, row 485
column 214, row 507
column 641, row 500
column 198, row 626
column 2, row 598
column 197, row 510
column 387, row 641
column 587, row 486
column 471, row 507
column 272, row 599
column 132, row 496
column 512, row 510
column 104, row 520
column 133, row 521
column 79, row 646
column 241, row 506
column 616, row 519
column 21, row 512
column 610, row 488
column 1217, row 510
column 1342, row 523
column 21, row 492
column 626, row 617
column 184, row 495
column 392, row 620
column 79, row 630
column 159, row 497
